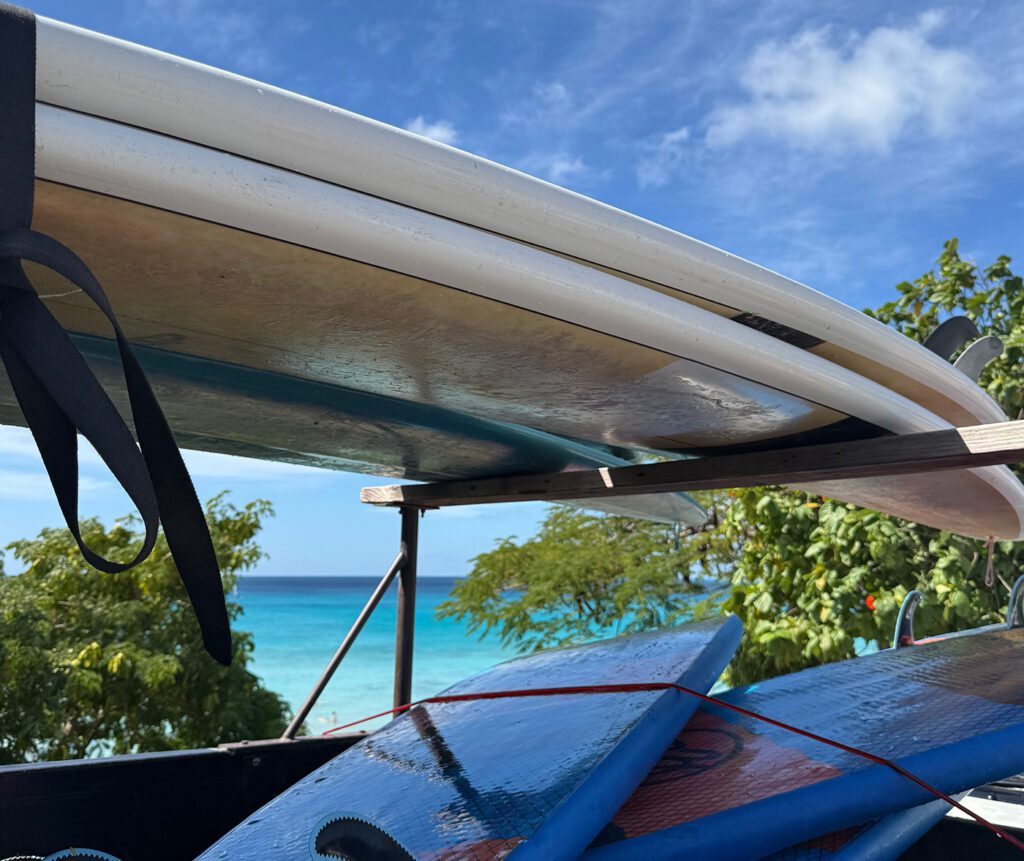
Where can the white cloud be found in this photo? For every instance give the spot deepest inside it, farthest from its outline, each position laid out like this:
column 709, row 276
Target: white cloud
column 441, row 131
column 826, row 91
column 663, row 156
column 17, row 442
column 560, row 167
column 226, row 28
column 17, row 484
column 619, row 65
column 552, row 95
column 438, row 27
column 297, row 25
column 211, row 23
column 381, row 37
column 556, row 167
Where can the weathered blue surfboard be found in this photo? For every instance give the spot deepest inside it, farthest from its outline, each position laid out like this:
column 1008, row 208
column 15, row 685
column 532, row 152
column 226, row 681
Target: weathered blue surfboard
column 949, row 711
column 531, row 778
column 889, row 837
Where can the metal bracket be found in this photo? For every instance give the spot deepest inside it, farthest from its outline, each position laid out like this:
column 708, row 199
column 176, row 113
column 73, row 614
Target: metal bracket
column 1015, row 609
column 904, row 634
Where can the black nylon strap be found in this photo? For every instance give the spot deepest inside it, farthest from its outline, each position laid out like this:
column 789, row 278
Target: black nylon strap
column 57, row 392
column 18, row 77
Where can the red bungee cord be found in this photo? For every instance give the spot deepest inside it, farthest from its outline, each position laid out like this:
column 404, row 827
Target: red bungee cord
column 664, row 686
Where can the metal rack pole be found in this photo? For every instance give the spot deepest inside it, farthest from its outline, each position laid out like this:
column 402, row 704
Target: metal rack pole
column 406, row 607
column 346, row 644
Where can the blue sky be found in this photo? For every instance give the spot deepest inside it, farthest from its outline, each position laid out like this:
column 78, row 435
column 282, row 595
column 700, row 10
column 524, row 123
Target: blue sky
column 837, row 143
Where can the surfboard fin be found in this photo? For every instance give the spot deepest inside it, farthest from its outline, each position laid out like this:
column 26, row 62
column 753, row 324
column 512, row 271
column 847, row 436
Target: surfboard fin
column 357, row 840
column 972, row 360
column 950, row 335
column 904, row 634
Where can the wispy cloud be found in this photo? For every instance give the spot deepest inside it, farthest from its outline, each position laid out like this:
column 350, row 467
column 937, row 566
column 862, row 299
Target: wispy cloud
column 552, row 95
column 17, row 442
column 840, row 92
column 810, row 143
column 557, row 167
column 297, row 25
column 562, row 167
column 662, row 157
column 35, row 485
column 609, row 73
column 442, row 23
column 380, row 37
column 235, row 33
column 441, row 130
column 210, row 23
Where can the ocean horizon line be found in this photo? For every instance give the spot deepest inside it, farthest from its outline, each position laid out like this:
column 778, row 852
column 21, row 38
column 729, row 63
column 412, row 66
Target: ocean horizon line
column 376, row 576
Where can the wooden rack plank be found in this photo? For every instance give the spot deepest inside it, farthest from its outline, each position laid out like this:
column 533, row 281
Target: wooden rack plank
column 982, row 445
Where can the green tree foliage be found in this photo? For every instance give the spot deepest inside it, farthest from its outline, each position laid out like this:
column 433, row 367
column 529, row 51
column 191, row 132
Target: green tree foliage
column 817, row 575
column 810, row 578
column 585, row 574
column 114, row 663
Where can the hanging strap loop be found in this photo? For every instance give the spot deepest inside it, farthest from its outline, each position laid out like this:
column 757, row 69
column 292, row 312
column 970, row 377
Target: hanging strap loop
column 58, row 394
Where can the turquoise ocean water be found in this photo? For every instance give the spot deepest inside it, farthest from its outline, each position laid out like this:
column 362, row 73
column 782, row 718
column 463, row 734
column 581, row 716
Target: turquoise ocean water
column 298, row 622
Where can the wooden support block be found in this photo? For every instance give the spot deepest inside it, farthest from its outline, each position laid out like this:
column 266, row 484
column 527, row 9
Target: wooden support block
column 982, row 445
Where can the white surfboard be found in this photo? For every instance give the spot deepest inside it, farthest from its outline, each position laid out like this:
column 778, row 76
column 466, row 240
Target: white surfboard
column 214, row 258
column 110, row 78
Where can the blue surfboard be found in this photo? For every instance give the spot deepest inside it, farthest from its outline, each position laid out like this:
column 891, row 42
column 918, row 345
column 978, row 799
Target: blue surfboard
column 531, row 778
column 889, row 837
column 881, row 840
column 950, row 711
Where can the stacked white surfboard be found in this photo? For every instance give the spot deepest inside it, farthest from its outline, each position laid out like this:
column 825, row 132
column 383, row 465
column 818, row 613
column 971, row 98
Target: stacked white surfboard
column 284, row 260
